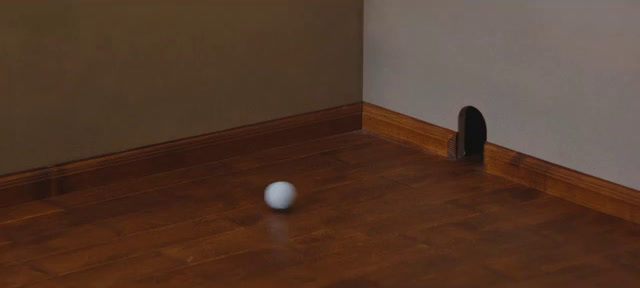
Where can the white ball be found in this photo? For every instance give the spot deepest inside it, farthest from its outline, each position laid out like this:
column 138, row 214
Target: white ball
column 280, row 195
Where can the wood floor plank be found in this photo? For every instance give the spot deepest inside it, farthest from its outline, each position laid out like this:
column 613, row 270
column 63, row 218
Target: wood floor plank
column 228, row 166
column 349, row 256
column 159, row 211
column 18, row 275
column 137, row 244
column 69, row 239
column 514, row 247
column 261, row 223
column 370, row 213
column 140, row 221
column 436, row 270
column 242, row 190
column 312, row 264
column 112, row 274
column 28, row 210
column 497, row 198
column 243, row 265
column 593, row 275
column 197, row 190
column 138, row 186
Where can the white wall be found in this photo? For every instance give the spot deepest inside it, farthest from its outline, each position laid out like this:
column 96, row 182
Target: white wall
column 555, row 79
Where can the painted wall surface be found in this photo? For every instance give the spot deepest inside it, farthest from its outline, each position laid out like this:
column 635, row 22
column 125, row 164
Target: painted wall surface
column 559, row 80
column 82, row 78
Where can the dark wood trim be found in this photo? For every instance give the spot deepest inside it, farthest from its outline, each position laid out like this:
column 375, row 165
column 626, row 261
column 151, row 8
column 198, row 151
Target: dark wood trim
column 409, row 130
column 452, row 147
column 589, row 191
column 586, row 190
column 41, row 183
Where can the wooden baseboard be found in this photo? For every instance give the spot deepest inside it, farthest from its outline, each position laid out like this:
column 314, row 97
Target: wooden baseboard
column 556, row 180
column 405, row 129
column 586, row 190
column 41, row 183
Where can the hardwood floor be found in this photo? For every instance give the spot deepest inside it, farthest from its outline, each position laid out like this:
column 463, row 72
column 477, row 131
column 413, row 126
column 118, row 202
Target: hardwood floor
column 370, row 213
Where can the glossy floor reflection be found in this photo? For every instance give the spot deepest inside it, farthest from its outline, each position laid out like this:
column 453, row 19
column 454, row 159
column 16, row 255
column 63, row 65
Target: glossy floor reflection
column 370, row 213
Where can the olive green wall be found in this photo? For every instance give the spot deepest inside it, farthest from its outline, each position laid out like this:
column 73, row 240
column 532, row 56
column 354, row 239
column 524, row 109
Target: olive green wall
column 83, row 78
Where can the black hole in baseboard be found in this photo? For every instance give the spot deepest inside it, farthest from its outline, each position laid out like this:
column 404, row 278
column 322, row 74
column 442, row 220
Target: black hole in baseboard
column 472, row 133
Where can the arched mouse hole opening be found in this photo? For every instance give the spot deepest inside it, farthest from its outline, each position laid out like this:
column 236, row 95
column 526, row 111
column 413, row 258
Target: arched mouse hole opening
column 472, row 133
